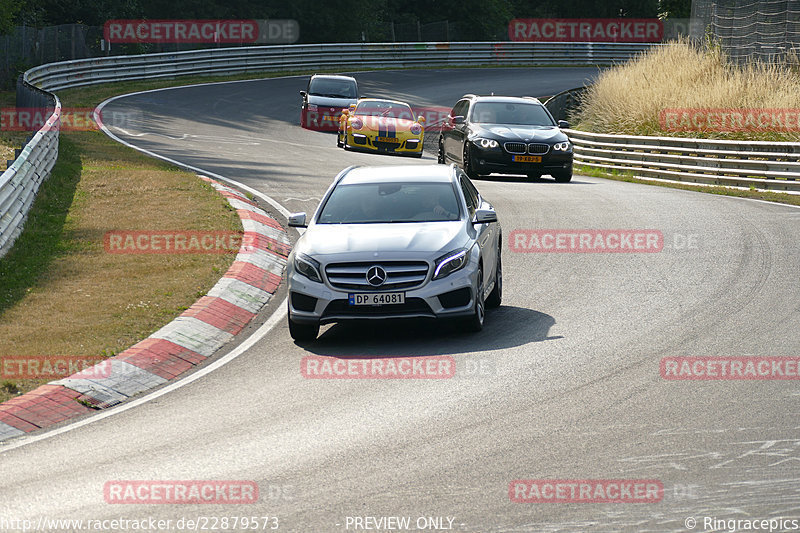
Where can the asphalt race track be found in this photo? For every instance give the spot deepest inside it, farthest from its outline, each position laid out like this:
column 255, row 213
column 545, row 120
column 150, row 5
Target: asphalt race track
column 563, row 383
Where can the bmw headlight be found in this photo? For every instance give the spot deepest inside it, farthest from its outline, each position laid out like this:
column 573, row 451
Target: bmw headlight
column 307, row 266
column 562, row 147
column 486, row 144
column 450, row 262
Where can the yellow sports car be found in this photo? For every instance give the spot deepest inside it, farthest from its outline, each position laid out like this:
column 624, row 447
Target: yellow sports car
column 384, row 126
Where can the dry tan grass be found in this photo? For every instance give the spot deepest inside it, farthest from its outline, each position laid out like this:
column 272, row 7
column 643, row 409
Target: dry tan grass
column 628, row 99
column 92, row 303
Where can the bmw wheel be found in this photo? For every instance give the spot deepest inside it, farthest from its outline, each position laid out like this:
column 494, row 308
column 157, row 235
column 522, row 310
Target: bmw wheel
column 563, row 176
column 468, row 164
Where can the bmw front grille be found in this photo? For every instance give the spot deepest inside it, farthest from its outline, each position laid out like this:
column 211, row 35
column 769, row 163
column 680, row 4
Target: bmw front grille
column 522, row 148
column 538, row 148
column 515, row 148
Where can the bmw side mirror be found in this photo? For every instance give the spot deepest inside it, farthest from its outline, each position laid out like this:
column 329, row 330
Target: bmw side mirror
column 563, row 124
column 303, row 94
column 483, row 216
column 297, row 220
column 458, row 120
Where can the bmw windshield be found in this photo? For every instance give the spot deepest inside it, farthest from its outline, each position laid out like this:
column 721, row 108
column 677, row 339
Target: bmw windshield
column 511, row 114
column 377, row 203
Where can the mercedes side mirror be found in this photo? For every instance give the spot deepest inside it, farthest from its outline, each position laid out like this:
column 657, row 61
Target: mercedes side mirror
column 297, row 220
column 483, row 216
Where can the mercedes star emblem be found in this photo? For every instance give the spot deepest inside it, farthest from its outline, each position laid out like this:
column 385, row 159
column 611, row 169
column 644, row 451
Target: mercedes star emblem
column 376, row 276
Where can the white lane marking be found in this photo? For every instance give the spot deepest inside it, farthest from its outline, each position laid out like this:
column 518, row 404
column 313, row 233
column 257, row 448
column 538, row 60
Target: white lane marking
column 129, row 134
column 256, row 336
column 309, row 199
column 216, row 140
column 200, row 138
column 277, row 316
column 98, row 110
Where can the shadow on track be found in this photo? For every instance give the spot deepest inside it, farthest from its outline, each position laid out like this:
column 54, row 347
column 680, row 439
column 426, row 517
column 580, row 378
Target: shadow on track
column 505, row 327
column 526, row 179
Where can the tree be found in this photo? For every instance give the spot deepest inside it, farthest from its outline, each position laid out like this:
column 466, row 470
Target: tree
column 8, row 14
column 674, row 9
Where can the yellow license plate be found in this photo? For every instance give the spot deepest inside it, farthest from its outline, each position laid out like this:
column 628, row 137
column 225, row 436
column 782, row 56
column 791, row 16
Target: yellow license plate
column 527, row 159
column 386, row 139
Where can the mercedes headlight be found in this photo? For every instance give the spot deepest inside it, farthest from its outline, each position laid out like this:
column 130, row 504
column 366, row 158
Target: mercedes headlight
column 450, row 262
column 307, row 266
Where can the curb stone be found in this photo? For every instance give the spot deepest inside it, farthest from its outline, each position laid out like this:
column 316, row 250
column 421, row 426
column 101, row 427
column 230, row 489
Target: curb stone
column 188, row 340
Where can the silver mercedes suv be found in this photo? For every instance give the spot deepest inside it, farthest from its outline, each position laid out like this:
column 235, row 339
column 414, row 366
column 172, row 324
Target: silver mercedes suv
column 395, row 242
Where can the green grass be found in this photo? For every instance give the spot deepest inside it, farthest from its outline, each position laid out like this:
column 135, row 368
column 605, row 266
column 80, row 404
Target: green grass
column 40, row 240
column 617, row 175
column 61, row 293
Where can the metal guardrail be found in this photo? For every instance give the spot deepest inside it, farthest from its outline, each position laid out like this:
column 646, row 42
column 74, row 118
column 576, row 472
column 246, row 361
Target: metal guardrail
column 760, row 164
column 763, row 165
column 563, row 104
column 78, row 73
column 18, row 184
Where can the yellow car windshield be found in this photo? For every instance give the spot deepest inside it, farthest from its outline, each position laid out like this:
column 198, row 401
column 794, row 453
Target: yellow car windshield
column 384, row 109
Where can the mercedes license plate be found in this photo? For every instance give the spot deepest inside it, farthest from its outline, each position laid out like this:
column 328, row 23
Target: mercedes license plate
column 377, row 298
